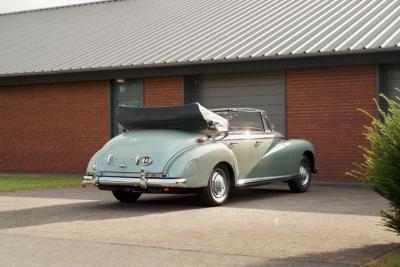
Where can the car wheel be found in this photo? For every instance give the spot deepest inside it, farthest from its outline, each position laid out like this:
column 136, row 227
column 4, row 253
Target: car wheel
column 126, row 196
column 301, row 183
column 218, row 187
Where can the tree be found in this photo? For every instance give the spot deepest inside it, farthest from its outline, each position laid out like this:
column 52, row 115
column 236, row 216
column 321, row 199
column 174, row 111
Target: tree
column 380, row 168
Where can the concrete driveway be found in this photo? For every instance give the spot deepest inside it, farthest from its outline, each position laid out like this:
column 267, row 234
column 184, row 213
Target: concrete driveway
column 331, row 225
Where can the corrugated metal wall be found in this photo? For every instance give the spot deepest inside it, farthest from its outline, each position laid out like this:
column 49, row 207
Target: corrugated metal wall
column 265, row 92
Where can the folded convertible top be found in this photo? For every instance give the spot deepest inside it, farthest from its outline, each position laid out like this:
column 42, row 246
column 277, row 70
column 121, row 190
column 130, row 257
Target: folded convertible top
column 187, row 117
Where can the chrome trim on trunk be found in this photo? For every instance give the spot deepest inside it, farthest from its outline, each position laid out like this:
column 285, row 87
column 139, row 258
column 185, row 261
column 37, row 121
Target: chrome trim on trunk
column 120, row 174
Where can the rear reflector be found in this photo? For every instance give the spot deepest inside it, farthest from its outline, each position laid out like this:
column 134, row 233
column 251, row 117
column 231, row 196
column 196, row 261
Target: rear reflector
column 200, row 139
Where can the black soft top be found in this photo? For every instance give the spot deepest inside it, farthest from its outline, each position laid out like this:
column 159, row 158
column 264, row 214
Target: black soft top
column 188, row 117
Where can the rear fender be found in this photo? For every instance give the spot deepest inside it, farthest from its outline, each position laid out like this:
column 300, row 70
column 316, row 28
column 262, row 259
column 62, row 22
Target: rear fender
column 197, row 163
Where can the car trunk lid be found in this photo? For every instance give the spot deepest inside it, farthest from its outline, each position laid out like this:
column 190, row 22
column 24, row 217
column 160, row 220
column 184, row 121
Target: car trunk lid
column 148, row 149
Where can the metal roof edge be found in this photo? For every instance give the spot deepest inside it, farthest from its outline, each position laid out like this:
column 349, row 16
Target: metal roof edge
column 207, row 62
column 57, row 7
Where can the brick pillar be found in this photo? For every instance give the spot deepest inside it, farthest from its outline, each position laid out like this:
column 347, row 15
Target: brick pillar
column 321, row 106
column 164, row 91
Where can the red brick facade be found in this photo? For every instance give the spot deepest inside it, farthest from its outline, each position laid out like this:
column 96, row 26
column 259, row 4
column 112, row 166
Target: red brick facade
column 166, row 91
column 52, row 128
column 56, row 128
column 321, row 106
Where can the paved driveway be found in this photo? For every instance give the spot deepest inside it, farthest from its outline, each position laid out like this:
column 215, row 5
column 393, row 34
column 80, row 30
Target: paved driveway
column 331, row 225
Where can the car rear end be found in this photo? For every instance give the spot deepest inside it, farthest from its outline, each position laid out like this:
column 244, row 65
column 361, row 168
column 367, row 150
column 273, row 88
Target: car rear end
column 138, row 160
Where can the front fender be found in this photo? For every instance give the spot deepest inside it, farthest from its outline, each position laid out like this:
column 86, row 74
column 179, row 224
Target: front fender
column 298, row 148
column 196, row 163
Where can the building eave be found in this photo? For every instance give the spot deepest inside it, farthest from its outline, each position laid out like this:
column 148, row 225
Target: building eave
column 210, row 67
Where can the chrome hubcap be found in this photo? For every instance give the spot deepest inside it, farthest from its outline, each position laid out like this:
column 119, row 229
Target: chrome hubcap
column 304, row 173
column 218, row 183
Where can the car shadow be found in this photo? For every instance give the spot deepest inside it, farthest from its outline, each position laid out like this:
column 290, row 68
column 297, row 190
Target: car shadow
column 102, row 205
column 95, row 210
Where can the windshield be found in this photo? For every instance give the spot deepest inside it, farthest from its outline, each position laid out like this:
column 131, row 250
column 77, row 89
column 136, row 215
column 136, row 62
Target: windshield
column 240, row 121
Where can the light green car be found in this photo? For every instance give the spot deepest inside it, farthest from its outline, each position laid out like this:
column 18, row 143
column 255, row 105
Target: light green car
column 154, row 160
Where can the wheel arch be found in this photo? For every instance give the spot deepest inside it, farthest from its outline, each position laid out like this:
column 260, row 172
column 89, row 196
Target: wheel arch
column 232, row 174
column 310, row 155
column 206, row 156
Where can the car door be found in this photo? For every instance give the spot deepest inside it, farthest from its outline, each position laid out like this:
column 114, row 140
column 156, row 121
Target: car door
column 244, row 128
column 245, row 152
column 272, row 163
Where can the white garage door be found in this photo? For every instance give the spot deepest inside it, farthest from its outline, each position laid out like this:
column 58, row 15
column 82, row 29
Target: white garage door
column 266, row 92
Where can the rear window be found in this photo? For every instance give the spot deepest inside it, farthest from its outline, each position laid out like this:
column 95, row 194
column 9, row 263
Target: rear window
column 240, row 121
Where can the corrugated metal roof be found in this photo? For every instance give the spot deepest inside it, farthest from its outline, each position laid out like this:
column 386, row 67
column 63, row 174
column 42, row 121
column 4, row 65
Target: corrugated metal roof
column 138, row 33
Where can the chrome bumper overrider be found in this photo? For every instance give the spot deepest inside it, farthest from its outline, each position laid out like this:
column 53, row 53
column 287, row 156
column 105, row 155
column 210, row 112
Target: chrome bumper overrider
column 143, row 182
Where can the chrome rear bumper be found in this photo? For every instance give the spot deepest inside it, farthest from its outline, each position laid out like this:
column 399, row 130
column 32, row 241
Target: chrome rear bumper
column 143, row 182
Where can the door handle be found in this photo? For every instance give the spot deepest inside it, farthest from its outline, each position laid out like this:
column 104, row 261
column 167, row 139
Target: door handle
column 257, row 143
column 232, row 144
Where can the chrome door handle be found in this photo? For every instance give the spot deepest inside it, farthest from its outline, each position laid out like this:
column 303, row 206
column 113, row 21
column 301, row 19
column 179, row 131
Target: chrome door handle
column 232, row 144
column 257, row 143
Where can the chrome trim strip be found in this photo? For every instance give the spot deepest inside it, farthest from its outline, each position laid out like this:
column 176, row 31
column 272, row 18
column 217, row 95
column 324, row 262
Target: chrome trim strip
column 238, row 109
column 243, row 182
column 142, row 182
column 121, row 174
column 248, row 137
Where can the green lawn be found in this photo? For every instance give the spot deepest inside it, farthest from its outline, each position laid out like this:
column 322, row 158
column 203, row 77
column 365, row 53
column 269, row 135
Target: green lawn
column 15, row 183
column 389, row 260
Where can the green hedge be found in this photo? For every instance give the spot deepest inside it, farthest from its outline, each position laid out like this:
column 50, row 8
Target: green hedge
column 380, row 168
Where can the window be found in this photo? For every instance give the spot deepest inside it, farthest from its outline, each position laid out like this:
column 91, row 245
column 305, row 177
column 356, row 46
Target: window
column 240, row 121
column 127, row 93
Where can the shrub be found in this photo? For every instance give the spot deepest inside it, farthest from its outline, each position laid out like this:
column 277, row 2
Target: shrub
column 380, row 168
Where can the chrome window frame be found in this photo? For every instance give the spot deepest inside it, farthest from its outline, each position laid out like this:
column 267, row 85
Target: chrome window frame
column 253, row 134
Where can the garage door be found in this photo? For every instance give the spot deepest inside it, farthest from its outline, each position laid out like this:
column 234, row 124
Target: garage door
column 266, row 92
column 392, row 82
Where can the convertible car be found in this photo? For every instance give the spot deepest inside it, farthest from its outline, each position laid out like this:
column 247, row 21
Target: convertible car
column 190, row 149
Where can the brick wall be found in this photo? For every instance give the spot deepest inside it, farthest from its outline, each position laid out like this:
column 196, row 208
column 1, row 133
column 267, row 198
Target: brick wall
column 57, row 127
column 52, row 128
column 165, row 91
column 321, row 106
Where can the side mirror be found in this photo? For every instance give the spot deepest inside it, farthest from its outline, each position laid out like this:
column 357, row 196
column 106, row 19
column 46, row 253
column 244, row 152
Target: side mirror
column 273, row 127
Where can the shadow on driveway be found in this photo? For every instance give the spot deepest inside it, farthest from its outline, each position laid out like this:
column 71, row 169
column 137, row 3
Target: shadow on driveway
column 104, row 206
column 320, row 198
column 96, row 210
column 344, row 257
column 354, row 200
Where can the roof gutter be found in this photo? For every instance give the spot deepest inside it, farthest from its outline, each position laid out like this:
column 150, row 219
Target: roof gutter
column 202, row 62
column 210, row 67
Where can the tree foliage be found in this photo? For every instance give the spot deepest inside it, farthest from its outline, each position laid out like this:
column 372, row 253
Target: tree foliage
column 380, row 168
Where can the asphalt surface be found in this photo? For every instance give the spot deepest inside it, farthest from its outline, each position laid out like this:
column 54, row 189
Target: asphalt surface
column 331, row 225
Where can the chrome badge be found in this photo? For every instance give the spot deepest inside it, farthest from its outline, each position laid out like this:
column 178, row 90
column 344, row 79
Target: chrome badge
column 146, row 160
